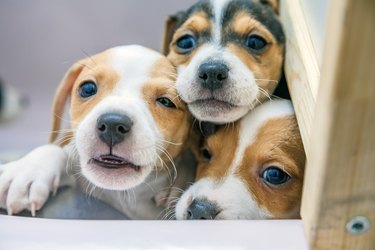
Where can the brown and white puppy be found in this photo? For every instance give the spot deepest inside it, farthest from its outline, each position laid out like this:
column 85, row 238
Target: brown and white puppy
column 127, row 125
column 252, row 169
column 229, row 56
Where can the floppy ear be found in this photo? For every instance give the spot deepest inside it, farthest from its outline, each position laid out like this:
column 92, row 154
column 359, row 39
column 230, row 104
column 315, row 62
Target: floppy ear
column 274, row 4
column 170, row 27
column 62, row 93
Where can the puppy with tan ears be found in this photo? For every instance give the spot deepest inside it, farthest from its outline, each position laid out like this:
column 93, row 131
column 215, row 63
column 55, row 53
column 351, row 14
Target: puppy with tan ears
column 252, row 169
column 127, row 126
column 229, row 56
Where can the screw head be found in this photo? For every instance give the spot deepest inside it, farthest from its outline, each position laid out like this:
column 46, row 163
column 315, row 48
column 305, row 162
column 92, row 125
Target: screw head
column 358, row 225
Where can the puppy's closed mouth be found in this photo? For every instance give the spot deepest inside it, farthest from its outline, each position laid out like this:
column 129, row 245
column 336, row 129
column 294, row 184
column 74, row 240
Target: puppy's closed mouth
column 213, row 102
column 113, row 162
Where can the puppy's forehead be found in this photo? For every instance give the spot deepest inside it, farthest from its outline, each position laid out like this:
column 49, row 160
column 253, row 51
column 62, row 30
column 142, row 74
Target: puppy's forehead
column 263, row 13
column 222, row 13
column 133, row 63
column 251, row 124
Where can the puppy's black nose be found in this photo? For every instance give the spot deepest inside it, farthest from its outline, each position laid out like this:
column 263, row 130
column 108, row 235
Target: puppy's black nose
column 112, row 127
column 212, row 75
column 202, row 210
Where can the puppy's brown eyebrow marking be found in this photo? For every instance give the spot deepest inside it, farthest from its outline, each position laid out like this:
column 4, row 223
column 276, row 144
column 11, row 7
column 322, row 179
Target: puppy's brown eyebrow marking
column 199, row 22
column 262, row 13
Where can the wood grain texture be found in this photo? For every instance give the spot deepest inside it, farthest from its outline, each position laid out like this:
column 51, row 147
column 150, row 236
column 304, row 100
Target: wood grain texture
column 340, row 175
column 301, row 66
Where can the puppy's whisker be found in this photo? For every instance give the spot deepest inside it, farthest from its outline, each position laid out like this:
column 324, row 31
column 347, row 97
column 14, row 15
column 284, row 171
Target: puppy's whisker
column 169, row 142
column 151, row 188
column 63, row 140
column 264, row 92
column 88, row 56
column 169, row 157
column 265, row 80
column 175, row 188
column 64, row 120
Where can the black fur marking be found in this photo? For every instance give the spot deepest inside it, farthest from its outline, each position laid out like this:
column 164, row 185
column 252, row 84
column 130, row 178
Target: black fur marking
column 204, row 6
column 182, row 16
column 261, row 12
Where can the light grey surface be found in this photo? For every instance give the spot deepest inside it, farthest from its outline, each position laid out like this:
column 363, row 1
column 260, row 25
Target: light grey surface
column 40, row 39
column 146, row 235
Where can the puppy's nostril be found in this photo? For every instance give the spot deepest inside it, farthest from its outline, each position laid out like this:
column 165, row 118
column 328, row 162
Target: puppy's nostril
column 203, row 76
column 102, row 127
column 122, row 129
column 221, row 77
column 189, row 214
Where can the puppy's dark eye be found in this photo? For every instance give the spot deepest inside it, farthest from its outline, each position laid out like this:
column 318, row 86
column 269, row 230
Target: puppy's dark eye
column 87, row 89
column 186, row 43
column 206, row 154
column 166, row 102
column 275, row 176
column 256, row 43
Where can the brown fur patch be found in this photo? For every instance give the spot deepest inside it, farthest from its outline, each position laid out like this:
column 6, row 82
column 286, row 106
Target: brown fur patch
column 97, row 70
column 81, row 71
column 174, row 123
column 267, row 65
column 278, row 143
column 196, row 24
column 222, row 145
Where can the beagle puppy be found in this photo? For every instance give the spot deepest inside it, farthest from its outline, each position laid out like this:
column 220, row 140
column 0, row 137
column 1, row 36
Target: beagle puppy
column 127, row 127
column 252, row 169
column 228, row 54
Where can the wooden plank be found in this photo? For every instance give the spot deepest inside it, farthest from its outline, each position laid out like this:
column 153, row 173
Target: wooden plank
column 340, row 174
column 301, row 66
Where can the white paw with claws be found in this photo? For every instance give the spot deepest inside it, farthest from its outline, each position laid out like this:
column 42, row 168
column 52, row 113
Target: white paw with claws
column 27, row 182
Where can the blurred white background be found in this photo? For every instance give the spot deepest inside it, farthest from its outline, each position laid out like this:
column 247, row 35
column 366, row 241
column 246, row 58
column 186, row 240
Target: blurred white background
column 40, row 39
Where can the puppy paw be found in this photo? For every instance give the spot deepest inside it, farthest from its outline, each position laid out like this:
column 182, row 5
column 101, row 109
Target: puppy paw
column 27, row 182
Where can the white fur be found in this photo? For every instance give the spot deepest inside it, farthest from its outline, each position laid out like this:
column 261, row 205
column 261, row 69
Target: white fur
column 30, row 179
column 132, row 75
column 251, row 123
column 241, row 90
column 231, row 193
column 218, row 7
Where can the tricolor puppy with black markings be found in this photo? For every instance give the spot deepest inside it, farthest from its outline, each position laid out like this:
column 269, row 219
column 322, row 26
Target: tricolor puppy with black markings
column 127, row 124
column 229, row 56
column 252, row 169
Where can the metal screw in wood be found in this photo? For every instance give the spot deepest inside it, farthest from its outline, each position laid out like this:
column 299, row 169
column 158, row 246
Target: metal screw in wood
column 358, row 225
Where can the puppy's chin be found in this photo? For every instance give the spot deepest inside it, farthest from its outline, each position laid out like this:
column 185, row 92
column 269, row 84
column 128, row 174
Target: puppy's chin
column 121, row 178
column 217, row 111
